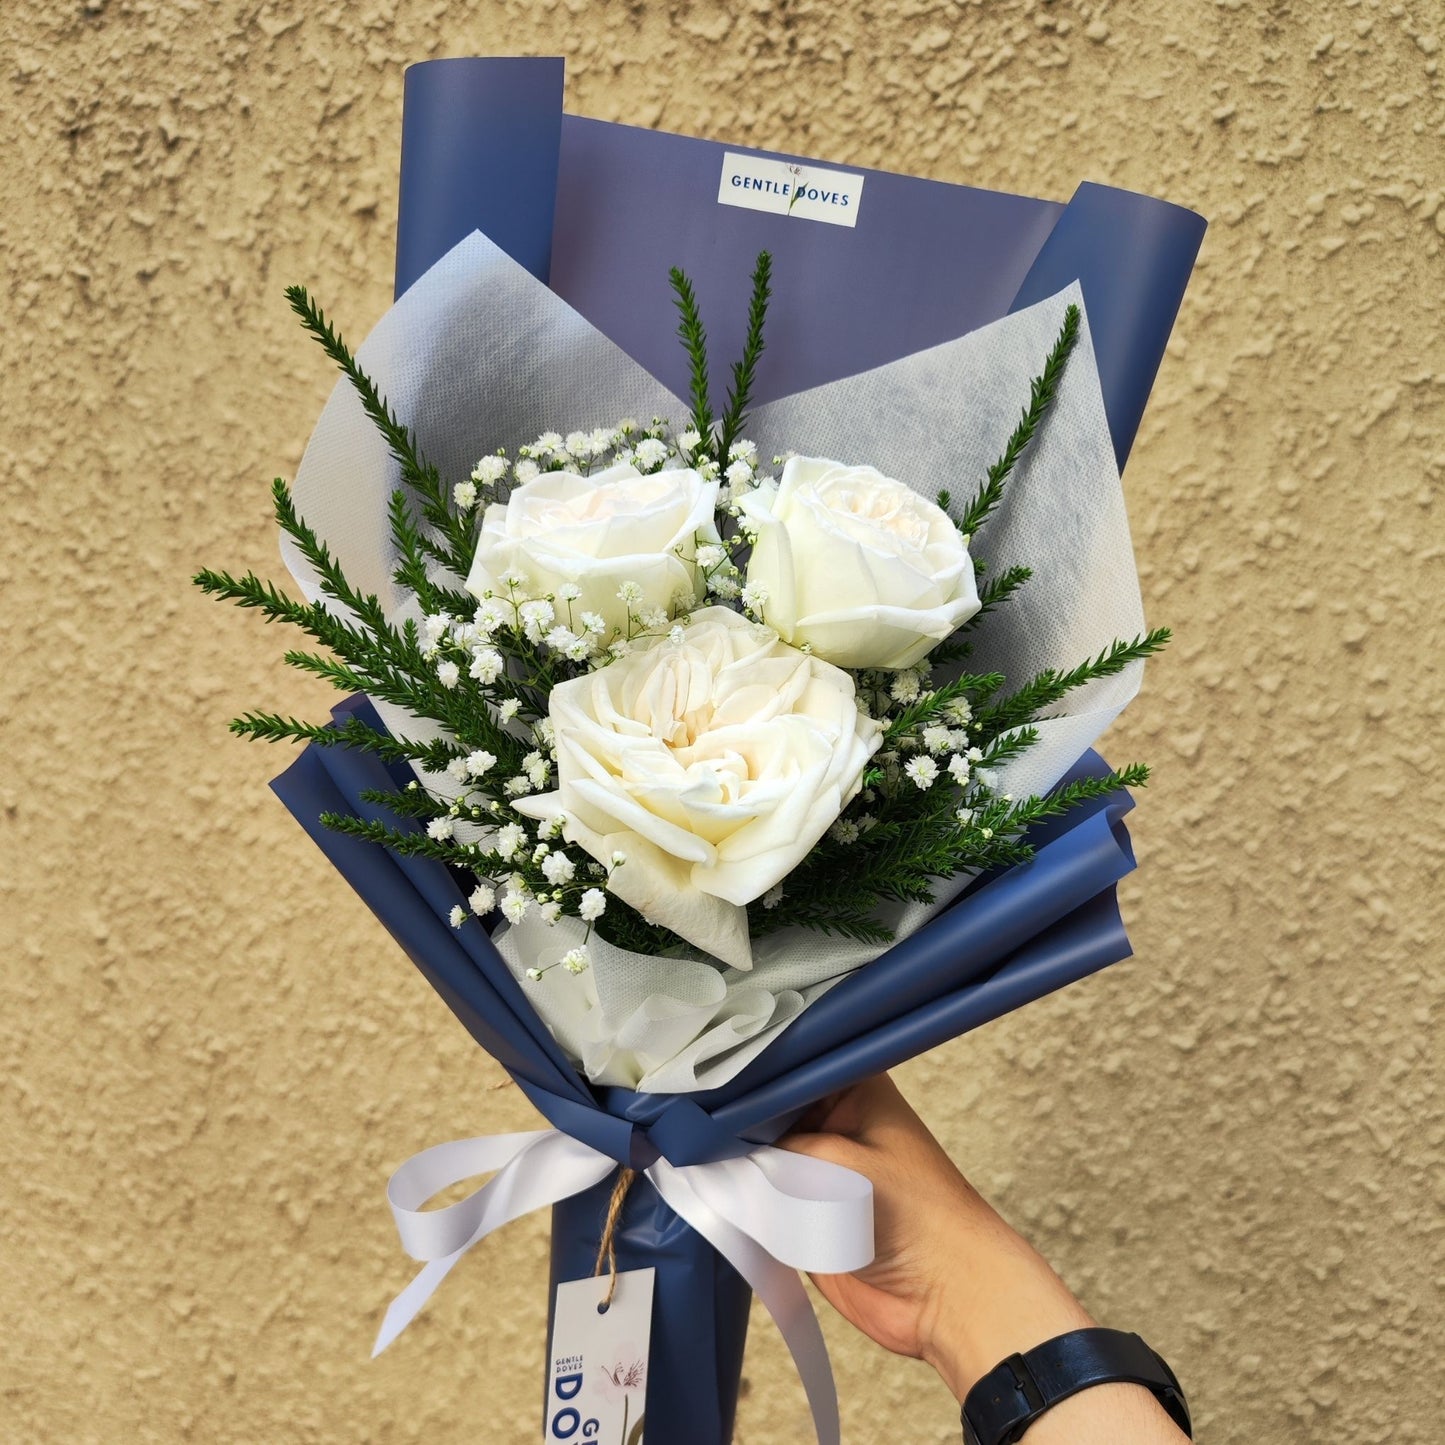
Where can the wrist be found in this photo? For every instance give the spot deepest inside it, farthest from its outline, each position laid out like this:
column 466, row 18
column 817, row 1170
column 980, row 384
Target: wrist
column 996, row 1302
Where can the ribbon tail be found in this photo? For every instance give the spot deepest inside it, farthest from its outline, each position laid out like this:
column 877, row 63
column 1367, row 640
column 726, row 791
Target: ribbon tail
column 533, row 1171
column 408, row 1304
column 776, row 1285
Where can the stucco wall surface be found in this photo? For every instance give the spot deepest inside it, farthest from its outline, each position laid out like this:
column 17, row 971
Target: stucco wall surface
column 211, row 1058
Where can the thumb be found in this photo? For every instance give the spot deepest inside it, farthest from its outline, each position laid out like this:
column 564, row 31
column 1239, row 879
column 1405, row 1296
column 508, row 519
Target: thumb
column 830, row 1148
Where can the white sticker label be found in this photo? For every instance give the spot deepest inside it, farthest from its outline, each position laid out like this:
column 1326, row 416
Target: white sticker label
column 808, row 192
column 597, row 1379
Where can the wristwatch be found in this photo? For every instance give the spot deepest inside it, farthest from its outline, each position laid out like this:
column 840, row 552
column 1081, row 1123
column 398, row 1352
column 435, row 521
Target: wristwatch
column 1007, row 1400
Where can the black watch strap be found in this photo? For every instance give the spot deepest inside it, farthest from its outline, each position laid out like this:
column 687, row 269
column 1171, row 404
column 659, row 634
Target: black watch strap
column 1003, row 1404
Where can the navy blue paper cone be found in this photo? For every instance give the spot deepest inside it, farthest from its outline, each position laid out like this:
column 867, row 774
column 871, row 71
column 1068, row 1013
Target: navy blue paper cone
column 601, row 212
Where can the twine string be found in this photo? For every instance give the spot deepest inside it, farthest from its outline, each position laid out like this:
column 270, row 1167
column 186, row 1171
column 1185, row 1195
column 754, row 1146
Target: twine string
column 607, row 1249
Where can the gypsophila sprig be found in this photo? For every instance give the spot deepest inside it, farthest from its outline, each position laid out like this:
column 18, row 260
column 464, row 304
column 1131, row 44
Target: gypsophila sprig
column 482, row 665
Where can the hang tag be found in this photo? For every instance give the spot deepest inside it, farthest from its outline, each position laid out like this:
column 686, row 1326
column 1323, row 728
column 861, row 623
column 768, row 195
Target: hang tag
column 597, row 1378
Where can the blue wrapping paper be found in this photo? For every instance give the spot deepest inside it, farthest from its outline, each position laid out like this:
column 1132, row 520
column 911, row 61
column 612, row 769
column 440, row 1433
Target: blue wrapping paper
column 601, row 212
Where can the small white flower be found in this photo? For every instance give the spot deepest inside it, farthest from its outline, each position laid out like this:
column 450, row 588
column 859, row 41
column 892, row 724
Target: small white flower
column 509, row 709
column 483, row 899
column 964, row 816
column 545, row 733
column 579, row 650
column 650, row 453
column 742, row 450
column 458, row 916
column 923, row 771
column 560, row 639
column 527, row 471
column 515, row 905
column 440, row 829
column 960, row 712
column 937, row 739
column 539, row 770
column 537, row 616
column 489, row 471
column 654, row 619
column 974, row 755
column 676, row 634
column 689, row 439
column 491, row 613
column 448, row 674
column 773, row 896
column 551, row 912
column 738, row 474
column 985, row 833
column 579, row 444
column 575, row 960
column 558, row 869
column 568, row 592
column 592, row 623
column 630, row 593
column 906, row 687
column 618, row 859
column 603, row 439
column 464, row 494
column 480, row 762
column 458, row 769
column 709, row 556
column 845, row 831
column 535, row 974
column 755, row 599
column 487, row 666
column 959, row 768
column 516, row 787
column 510, row 840
column 593, row 905
column 549, row 441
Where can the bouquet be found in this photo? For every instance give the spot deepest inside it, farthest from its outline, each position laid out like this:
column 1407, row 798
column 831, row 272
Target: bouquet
column 706, row 751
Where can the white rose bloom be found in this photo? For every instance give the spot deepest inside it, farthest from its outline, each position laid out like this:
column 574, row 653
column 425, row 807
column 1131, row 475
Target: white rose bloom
column 714, row 764
column 597, row 532
column 857, row 564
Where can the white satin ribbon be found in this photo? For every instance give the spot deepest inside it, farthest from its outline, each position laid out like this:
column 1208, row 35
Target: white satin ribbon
column 768, row 1214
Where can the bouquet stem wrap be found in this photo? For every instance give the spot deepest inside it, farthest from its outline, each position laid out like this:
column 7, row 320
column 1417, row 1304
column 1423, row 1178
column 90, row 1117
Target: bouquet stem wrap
column 700, row 1306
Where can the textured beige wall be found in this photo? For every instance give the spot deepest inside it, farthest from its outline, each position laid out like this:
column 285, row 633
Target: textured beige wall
column 210, row 1058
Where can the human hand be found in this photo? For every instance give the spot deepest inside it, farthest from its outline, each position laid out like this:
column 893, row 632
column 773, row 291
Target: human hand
column 951, row 1282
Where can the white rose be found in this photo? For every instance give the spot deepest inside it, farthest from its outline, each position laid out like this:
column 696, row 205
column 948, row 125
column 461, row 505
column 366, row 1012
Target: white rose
column 714, row 762
column 857, row 564
column 598, row 532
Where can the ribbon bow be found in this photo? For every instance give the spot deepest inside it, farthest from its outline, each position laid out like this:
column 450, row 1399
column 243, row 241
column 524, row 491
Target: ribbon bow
column 769, row 1213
